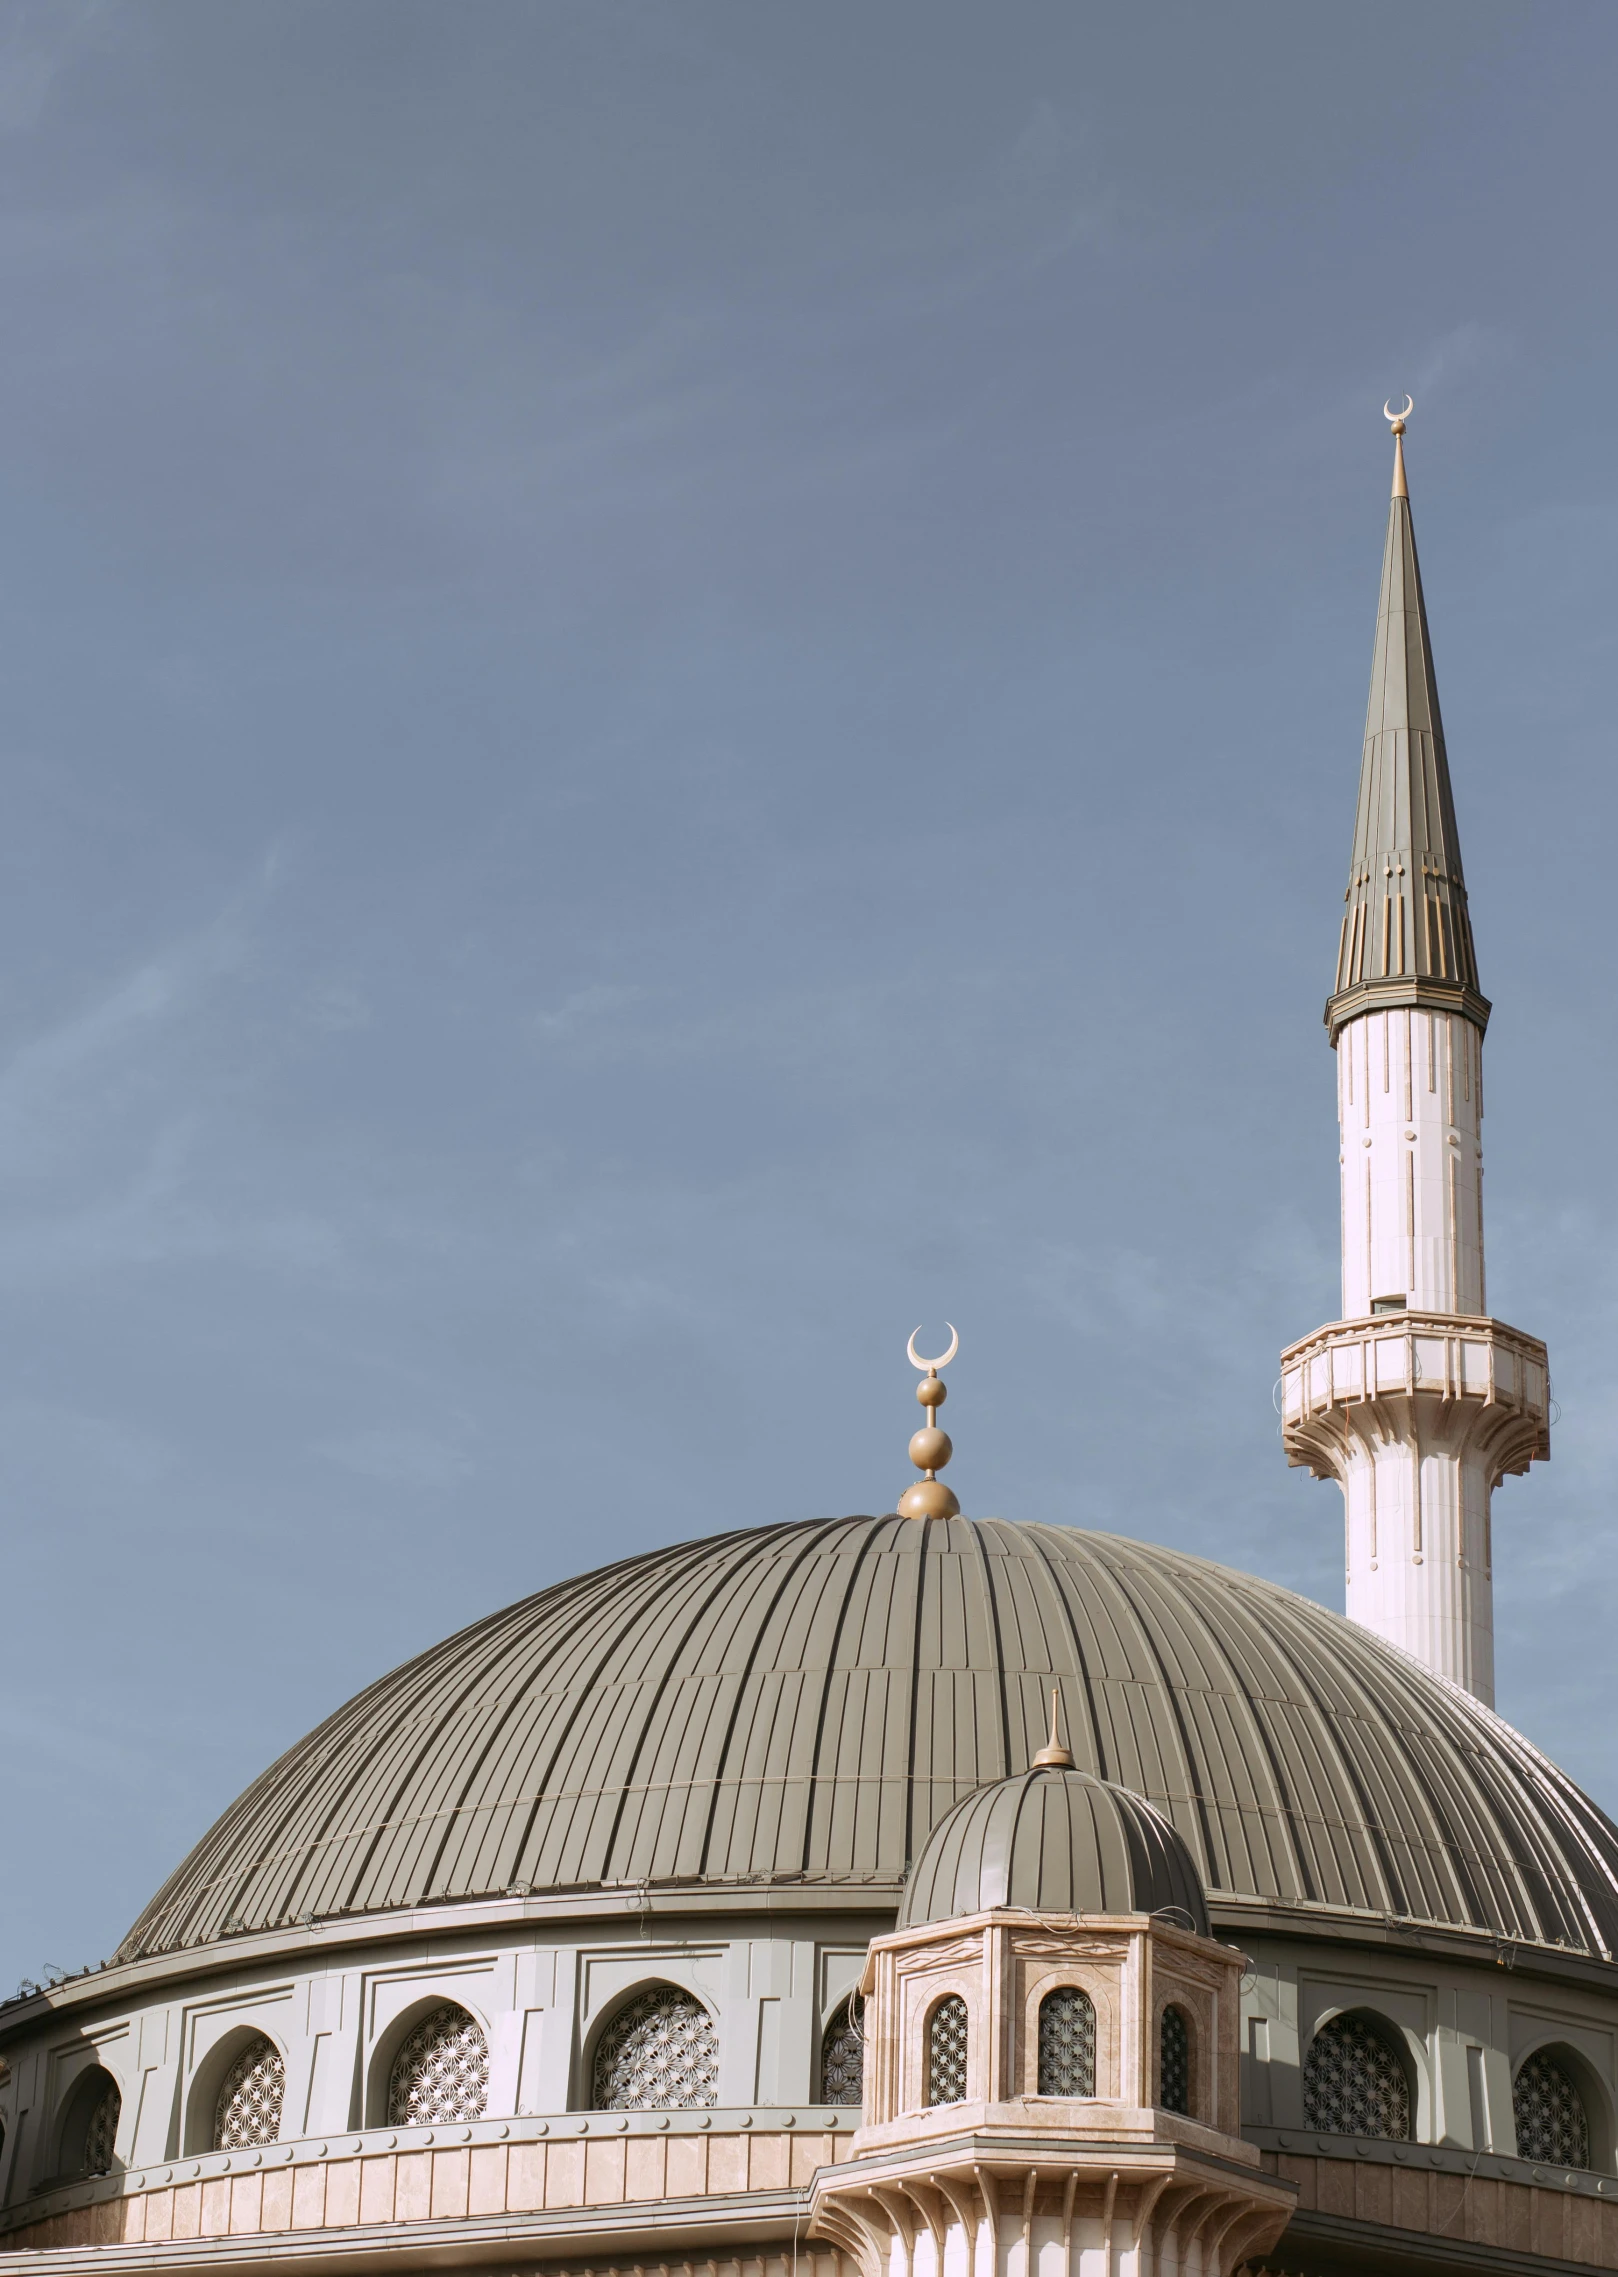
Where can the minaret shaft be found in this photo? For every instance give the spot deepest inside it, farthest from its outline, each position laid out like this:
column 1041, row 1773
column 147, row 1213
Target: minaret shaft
column 1410, row 1111
column 1416, row 1401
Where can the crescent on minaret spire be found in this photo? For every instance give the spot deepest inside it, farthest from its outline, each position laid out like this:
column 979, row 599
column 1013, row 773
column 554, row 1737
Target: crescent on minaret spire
column 1406, row 934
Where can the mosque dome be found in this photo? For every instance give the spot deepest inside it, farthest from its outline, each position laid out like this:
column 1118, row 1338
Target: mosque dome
column 1053, row 1840
column 802, row 1704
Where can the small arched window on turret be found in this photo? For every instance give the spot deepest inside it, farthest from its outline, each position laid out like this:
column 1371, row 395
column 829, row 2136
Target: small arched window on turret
column 1174, row 2063
column 249, row 2107
column 1067, row 2043
column 842, row 2055
column 1553, row 2126
column 441, row 2073
column 1355, row 2081
column 946, row 2051
column 659, row 2053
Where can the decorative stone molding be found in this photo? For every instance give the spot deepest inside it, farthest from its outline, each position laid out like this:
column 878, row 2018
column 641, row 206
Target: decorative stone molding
column 427, row 2175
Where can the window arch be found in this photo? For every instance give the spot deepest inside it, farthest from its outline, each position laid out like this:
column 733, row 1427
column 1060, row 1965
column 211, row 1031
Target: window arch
column 91, row 2129
column 946, row 2050
column 659, row 2053
column 1174, row 2062
column 1553, row 2125
column 441, row 2071
column 1355, row 2081
column 842, row 2055
column 248, row 2109
column 1067, row 2042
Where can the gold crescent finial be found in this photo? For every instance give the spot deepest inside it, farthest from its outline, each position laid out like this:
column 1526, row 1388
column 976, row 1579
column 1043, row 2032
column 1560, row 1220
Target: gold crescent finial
column 1397, row 420
column 944, row 1358
column 931, row 1448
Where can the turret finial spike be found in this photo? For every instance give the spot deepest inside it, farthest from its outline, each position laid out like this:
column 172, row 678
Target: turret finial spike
column 1053, row 1756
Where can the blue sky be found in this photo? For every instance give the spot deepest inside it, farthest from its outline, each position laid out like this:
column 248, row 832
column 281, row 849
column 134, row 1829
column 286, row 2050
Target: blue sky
column 682, row 685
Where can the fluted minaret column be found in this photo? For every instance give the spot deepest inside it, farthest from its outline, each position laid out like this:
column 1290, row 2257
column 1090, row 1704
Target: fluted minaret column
column 1416, row 1401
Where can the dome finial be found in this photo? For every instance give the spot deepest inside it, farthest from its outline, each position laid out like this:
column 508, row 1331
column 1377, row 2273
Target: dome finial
column 930, row 1449
column 1396, row 420
column 1053, row 1756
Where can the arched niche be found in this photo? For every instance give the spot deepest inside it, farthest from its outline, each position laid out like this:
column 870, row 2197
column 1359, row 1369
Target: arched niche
column 234, row 2047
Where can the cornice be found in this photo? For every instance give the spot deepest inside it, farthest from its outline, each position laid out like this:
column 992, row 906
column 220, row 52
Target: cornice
column 463, row 1920
column 1422, row 990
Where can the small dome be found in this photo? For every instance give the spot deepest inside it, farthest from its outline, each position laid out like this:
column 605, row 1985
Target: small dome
column 1055, row 1842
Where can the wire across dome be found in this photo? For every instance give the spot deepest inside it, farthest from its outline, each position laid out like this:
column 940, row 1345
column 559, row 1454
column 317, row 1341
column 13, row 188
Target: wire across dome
column 1054, row 1841
column 803, row 1703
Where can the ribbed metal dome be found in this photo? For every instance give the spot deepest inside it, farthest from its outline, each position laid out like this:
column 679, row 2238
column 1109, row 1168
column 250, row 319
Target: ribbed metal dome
column 804, row 1702
column 1054, row 1842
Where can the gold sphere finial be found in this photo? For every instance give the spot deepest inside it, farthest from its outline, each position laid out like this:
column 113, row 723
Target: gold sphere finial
column 930, row 1448
column 1053, row 1756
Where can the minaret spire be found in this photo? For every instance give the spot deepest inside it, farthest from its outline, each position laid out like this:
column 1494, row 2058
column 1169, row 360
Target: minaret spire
column 1416, row 1401
column 1406, row 935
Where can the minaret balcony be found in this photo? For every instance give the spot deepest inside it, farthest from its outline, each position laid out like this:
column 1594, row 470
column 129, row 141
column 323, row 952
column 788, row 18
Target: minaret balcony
column 1448, row 1380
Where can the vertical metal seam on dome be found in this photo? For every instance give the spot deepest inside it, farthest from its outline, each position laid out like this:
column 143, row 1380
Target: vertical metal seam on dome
column 671, row 1558
column 1556, row 1782
column 874, row 1528
column 1535, row 1884
column 690, row 1563
column 1369, row 1819
column 498, row 1725
column 722, row 1584
column 327, row 1744
column 915, row 1689
column 1286, row 1807
column 815, row 1543
column 476, row 1680
column 987, row 1568
column 1048, row 1565
column 1483, row 1907
column 1188, row 1759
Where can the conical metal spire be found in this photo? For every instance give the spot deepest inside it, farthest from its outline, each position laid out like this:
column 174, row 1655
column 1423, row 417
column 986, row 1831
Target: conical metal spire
column 1406, row 937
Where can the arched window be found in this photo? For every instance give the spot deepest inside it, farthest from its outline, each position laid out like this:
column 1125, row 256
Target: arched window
column 1355, row 2082
column 102, row 2130
column 659, row 2053
column 1067, row 2043
column 249, row 2106
column 92, row 2125
column 441, row 2072
column 1174, row 2062
column 842, row 2056
column 1553, row 2127
column 946, row 2051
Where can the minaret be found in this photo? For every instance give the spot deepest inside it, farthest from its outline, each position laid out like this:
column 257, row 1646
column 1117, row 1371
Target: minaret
column 1416, row 1402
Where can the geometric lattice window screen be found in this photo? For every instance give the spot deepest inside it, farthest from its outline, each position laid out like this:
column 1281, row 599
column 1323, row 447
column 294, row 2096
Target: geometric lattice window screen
column 441, row 2073
column 249, row 2106
column 842, row 2058
column 1067, row 2043
column 1354, row 2084
column 1174, row 2063
column 660, row 2053
column 1553, row 2126
column 946, row 2051
column 101, row 2129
